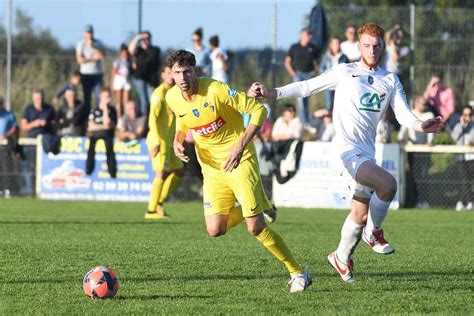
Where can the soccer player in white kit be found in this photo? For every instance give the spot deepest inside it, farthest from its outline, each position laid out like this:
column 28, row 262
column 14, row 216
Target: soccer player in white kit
column 363, row 93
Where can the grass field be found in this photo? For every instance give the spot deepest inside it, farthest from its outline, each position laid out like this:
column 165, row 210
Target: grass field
column 173, row 267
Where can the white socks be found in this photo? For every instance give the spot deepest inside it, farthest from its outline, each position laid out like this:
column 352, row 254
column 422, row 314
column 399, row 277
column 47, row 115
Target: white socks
column 378, row 210
column 350, row 237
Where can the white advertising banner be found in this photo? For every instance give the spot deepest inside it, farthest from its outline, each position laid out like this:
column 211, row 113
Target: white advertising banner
column 318, row 183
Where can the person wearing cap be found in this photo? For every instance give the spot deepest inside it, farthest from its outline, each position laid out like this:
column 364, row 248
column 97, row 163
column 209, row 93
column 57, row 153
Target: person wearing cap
column 301, row 64
column 90, row 54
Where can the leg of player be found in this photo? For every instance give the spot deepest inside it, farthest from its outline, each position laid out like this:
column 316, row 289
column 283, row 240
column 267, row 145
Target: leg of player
column 385, row 186
column 351, row 232
column 300, row 278
column 156, row 189
column 171, row 181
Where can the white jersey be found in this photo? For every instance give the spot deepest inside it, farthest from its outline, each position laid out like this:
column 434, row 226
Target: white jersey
column 360, row 101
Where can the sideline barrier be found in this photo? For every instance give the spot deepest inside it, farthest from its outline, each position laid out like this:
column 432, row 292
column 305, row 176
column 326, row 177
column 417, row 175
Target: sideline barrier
column 318, row 183
column 63, row 177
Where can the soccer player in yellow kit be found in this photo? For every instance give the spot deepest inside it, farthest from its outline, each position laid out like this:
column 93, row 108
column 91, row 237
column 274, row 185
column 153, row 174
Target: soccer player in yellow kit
column 227, row 156
column 168, row 168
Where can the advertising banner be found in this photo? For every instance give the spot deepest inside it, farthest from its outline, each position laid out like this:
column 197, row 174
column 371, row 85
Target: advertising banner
column 63, row 177
column 318, row 182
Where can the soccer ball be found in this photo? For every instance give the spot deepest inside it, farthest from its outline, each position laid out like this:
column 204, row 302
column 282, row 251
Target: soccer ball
column 100, row 282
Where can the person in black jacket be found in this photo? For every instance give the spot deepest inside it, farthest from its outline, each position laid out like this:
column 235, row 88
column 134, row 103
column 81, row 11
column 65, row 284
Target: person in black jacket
column 145, row 68
column 101, row 125
column 71, row 116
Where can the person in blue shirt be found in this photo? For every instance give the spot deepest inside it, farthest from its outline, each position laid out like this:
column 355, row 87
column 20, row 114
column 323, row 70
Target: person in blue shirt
column 8, row 124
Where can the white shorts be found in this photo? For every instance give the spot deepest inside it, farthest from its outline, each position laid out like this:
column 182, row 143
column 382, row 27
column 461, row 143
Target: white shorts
column 351, row 161
column 120, row 82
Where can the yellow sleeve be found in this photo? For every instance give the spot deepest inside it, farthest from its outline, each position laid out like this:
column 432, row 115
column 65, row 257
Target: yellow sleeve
column 155, row 106
column 242, row 103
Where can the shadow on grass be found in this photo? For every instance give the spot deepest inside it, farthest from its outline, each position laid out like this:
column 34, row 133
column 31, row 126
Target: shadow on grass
column 33, row 281
column 164, row 222
column 415, row 274
column 205, row 278
column 163, row 297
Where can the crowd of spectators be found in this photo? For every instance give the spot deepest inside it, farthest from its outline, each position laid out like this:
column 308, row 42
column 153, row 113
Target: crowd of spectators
column 121, row 111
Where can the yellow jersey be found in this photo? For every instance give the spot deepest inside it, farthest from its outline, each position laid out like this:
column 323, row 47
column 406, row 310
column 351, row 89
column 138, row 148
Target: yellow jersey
column 161, row 121
column 215, row 120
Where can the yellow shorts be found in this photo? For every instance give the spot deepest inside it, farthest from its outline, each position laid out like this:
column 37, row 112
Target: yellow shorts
column 165, row 161
column 222, row 189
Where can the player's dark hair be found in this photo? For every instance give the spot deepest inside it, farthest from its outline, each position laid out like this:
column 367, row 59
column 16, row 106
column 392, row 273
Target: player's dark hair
column 198, row 32
column 182, row 58
column 214, row 41
column 467, row 107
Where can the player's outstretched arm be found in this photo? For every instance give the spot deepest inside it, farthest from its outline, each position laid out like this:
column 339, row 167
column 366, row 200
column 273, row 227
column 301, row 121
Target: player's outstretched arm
column 178, row 146
column 433, row 125
column 258, row 90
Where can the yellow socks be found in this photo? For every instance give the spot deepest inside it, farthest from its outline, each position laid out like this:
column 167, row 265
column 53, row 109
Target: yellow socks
column 275, row 244
column 235, row 217
column 168, row 186
column 155, row 194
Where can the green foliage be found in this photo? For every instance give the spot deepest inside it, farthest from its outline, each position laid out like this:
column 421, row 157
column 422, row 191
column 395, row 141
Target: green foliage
column 173, row 268
column 443, row 139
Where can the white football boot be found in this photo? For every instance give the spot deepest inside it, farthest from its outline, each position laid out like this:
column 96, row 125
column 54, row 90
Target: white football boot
column 377, row 242
column 344, row 269
column 300, row 282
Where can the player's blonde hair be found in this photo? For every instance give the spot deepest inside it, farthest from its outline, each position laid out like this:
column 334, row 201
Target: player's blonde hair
column 372, row 29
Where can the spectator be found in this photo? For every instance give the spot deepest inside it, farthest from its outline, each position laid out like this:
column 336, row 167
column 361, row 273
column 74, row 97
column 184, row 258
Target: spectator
column 90, row 54
column 384, row 130
column 146, row 68
column 287, row 126
column 102, row 122
column 463, row 134
column 8, row 134
column 332, row 57
column 300, row 63
column 71, row 117
column 394, row 52
column 219, row 60
column 120, row 78
column 326, row 131
column 421, row 111
column 38, row 117
column 131, row 126
column 202, row 54
column 350, row 47
column 440, row 98
column 418, row 163
column 8, row 124
column 74, row 81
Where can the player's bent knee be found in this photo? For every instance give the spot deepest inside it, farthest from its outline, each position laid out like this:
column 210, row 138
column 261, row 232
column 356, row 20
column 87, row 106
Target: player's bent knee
column 389, row 190
column 216, row 231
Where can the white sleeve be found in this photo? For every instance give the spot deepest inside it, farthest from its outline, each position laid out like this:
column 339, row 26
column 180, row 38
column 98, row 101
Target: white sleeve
column 400, row 106
column 327, row 80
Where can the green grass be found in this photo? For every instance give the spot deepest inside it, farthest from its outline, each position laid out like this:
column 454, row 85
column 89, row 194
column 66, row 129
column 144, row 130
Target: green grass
column 173, row 267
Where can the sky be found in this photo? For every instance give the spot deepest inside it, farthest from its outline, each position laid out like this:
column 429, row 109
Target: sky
column 239, row 23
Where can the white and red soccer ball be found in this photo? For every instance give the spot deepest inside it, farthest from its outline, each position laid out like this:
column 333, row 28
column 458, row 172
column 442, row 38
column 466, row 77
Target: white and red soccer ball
column 100, row 282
